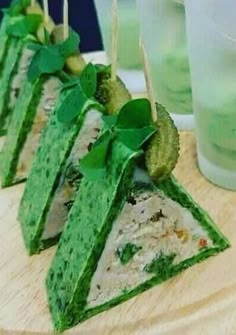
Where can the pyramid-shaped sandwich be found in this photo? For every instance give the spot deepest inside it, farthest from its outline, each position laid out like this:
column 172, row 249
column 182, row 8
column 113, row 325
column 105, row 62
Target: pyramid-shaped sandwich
column 20, row 25
column 10, row 16
column 37, row 99
column 73, row 126
column 126, row 233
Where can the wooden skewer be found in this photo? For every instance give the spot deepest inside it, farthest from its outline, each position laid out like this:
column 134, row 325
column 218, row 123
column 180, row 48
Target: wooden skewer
column 46, row 11
column 66, row 20
column 147, row 73
column 115, row 36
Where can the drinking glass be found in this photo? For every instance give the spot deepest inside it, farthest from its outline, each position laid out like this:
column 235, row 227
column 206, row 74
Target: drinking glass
column 211, row 31
column 164, row 35
column 129, row 60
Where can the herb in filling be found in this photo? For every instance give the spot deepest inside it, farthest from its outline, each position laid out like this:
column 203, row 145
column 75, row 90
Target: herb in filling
column 161, row 265
column 127, row 252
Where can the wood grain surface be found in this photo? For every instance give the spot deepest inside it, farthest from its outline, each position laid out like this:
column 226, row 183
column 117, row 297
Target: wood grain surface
column 202, row 300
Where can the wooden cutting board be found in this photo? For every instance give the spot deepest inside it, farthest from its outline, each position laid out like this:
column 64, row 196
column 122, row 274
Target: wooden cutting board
column 202, row 300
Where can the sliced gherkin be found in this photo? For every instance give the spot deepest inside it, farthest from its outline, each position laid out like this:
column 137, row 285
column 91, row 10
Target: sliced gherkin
column 34, row 9
column 75, row 64
column 162, row 152
column 111, row 94
column 57, row 34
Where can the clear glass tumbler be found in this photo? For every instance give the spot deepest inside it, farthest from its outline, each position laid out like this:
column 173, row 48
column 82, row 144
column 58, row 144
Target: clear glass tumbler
column 129, row 59
column 211, row 30
column 164, row 35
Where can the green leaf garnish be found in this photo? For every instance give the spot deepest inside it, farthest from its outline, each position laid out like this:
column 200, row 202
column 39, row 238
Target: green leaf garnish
column 50, row 58
column 17, row 7
column 78, row 90
column 93, row 165
column 25, row 25
column 88, row 80
column 109, row 121
column 135, row 114
column 134, row 123
column 46, row 37
column 71, row 83
column 71, row 105
column 135, row 138
column 34, row 46
column 125, row 128
column 161, row 265
column 126, row 253
column 46, row 60
column 70, row 46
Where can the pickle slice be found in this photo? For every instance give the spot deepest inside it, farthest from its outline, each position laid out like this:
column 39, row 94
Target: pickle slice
column 57, row 35
column 35, row 9
column 111, row 94
column 162, row 152
column 75, row 64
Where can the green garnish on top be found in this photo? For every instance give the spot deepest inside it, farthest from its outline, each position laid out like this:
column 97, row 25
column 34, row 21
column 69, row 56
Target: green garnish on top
column 77, row 90
column 87, row 80
column 71, row 105
column 133, row 126
column 50, row 58
column 24, row 25
column 17, row 7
